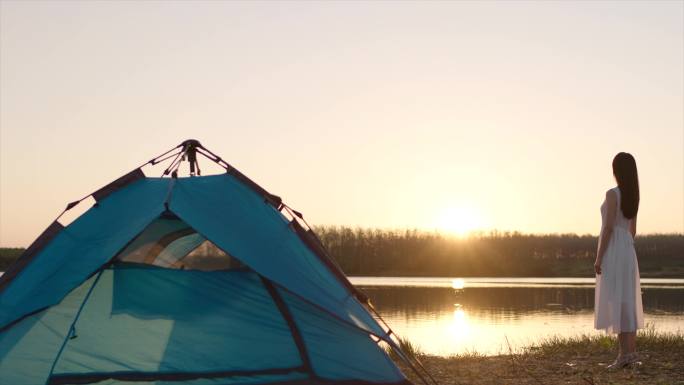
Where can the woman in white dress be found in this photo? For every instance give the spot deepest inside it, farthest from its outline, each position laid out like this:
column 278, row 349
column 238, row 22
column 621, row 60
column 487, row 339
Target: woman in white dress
column 618, row 308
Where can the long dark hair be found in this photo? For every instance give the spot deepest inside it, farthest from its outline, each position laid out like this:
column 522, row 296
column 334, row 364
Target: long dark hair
column 625, row 171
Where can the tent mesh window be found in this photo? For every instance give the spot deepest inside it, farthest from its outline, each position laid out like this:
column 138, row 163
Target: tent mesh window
column 172, row 244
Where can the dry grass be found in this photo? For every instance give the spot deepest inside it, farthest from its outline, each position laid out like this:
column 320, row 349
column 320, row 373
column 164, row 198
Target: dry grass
column 408, row 347
column 578, row 360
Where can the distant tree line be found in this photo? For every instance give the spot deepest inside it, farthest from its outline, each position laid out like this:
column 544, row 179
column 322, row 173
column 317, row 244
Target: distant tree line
column 362, row 251
column 379, row 252
column 8, row 255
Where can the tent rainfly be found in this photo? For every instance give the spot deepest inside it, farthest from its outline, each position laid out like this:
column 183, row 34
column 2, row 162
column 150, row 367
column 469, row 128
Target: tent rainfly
column 195, row 280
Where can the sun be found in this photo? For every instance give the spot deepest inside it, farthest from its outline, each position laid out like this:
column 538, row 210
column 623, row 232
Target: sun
column 459, row 220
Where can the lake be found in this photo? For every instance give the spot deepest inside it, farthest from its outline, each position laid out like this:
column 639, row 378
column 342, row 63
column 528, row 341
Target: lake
column 446, row 316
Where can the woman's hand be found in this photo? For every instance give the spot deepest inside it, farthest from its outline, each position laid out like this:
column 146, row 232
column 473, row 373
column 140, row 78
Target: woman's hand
column 597, row 266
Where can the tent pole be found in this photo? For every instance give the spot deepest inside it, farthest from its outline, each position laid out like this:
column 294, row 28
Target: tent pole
column 389, row 333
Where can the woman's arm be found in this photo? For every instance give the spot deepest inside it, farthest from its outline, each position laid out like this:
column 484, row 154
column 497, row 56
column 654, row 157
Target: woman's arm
column 632, row 227
column 607, row 230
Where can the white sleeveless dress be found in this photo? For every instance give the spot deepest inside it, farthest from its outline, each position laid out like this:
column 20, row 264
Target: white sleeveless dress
column 617, row 299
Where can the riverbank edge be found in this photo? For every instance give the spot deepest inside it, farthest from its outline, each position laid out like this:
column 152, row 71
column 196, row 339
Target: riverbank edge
column 558, row 360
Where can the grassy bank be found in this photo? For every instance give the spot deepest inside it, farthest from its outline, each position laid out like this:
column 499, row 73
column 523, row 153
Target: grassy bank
column 578, row 360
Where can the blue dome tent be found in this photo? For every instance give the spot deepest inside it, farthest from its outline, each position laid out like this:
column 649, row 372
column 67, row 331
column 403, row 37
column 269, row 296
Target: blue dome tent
column 194, row 280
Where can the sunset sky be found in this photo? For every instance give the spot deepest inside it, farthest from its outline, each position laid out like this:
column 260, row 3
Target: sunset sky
column 437, row 115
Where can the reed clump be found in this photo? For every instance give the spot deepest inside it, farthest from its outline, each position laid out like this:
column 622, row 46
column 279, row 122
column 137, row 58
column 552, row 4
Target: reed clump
column 410, row 349
column 648, row 339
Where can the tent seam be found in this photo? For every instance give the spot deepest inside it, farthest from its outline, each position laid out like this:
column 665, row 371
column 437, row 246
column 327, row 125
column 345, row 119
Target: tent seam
column 286, row 313
column 71, row 327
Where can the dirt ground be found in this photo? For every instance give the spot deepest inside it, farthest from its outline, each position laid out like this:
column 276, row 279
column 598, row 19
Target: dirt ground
column 571, row 367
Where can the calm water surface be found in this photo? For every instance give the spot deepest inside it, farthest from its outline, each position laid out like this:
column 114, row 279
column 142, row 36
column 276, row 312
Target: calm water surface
column 446, row 316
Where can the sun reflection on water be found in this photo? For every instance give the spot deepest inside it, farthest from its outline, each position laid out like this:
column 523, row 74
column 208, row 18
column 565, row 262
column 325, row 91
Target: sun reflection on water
column 458, row 316
column 459, row 327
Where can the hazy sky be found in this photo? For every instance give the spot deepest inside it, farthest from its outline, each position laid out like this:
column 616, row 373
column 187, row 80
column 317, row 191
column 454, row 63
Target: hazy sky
column 461, row 114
